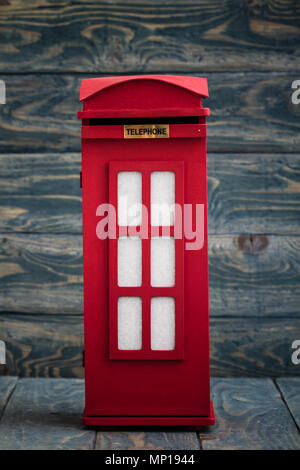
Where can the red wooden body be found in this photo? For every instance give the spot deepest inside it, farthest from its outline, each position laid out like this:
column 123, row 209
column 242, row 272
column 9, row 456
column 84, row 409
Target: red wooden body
column 144, row 387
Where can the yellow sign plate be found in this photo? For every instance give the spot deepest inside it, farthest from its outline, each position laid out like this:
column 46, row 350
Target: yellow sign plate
column 146, row 131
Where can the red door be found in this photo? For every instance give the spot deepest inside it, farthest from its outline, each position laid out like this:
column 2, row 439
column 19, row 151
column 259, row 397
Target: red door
column 146, row 271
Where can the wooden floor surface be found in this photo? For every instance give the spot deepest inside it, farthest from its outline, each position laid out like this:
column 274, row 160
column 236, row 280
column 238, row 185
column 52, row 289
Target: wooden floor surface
column 251, row 413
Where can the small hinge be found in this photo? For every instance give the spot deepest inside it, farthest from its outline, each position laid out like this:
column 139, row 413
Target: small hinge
column 81, row 179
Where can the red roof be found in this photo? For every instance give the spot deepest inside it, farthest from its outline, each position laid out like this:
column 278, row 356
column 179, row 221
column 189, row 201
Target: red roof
column 91, row 86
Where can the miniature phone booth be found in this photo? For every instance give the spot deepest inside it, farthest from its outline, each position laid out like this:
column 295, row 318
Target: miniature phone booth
column 145, row 257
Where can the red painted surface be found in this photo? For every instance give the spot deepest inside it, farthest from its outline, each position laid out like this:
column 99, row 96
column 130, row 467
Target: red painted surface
column 91, row 86
column 115, row 113
column 144, row 387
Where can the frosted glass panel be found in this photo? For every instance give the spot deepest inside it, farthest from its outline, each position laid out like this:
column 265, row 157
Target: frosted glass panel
column 162, row 323
column 129, row 323
column 162, row 197
column 162, row 262
column 130, row 198
column 129, row 261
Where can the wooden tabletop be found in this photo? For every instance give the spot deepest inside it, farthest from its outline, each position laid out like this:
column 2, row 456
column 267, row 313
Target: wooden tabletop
column 250, row 414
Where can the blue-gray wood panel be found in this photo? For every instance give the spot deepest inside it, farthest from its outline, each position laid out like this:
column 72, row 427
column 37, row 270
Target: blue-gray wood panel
column 249, row 53
column 147, row 440
column 250, row 414
column 7, row 385
column 45, row 414
column 290, row 389
column 114, row 36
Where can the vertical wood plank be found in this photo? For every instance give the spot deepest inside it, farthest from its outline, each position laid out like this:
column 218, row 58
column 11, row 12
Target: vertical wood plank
column 250, row 414
column 290, row 389
column 45, row 414
column 7, row 385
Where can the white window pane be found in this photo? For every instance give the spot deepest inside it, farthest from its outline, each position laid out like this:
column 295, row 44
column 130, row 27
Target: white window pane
column 162, row 262
column 130, row 198
column 162, row 323
column 129, row 323
column 129, row 261
column 162, row 197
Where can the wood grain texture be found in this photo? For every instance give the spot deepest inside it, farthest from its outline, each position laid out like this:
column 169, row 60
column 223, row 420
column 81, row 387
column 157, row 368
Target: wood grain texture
column 7, row 385
column 252, row 276
column 253, row 194
column 253, row 347
column 51, row 346
column 40, row 193
column 249, row 51
column 131, row 35
column 250, row 112
column 147, row 440
column 45, row 414
column 250, row 414
column 290, row 389
column 247, row 193
column 41, row 274
column 43, row 346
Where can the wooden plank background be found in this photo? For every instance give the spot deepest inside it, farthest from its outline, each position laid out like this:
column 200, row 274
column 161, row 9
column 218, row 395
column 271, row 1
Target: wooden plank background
column 45, row 414
column 249, row 51
column 121, row 36
column 249, row 112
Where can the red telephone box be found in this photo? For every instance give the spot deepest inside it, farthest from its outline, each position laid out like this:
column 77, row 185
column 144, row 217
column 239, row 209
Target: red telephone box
column 145, row 251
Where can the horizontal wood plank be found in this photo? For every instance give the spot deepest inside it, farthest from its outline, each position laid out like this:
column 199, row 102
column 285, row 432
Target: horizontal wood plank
column 147, row 440
column 118, row 37
column 250, row 112
column 40, row 193
column 46, row 414
column 249, row 275
column 43, row 346
column 254, row 275
column 247, row 194
column 41, row 274
column 290, row 389
column 51, row 346
column 253, row 347
column 250, row 414
column 253, row 194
